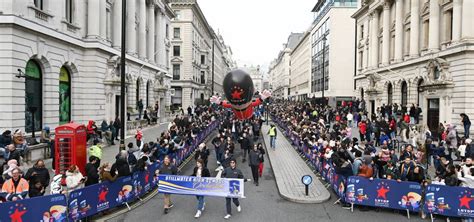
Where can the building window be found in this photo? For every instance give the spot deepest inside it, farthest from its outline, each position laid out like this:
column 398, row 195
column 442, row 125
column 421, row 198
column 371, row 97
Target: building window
column 167, row 31
column 178, row 15
column 404, row 94
column 33, row 97
column 64, row 96
column 389, row 93
column 448, row 33
column 137, row 93
column 407, row 42
column 203, row 59
column 177, row 33
column 436, row 73
column 203, row 77
column 176, row 50
column 426, row 33
column 38, row 4
column 69, row 11
column 176, row 72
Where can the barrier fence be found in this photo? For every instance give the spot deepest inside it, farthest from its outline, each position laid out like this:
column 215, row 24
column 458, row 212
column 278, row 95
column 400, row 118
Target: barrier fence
column 90, row 200
column 409, row 196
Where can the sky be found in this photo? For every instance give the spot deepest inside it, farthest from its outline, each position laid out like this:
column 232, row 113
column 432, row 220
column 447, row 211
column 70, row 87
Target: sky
column 257, row 29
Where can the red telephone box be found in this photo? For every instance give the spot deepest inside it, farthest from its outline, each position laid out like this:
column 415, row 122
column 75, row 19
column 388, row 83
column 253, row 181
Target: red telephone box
column 70, row 147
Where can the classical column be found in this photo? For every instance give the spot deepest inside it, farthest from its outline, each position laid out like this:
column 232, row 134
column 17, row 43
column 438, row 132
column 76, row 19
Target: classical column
column 374, row 43
column 365, row 59
column 151, row 33
column 457, row 13
column 386, row 34
column 163, row 56
column 103, row 19
column 467, row 21
column 117, row 21
column 399, row 31
column 142, row 29
column 415, row 29
column 93, row 12
column 158, row 38
column 433, row 43
column 131, row 28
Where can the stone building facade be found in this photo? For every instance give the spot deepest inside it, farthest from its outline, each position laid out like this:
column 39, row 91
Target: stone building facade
column 68, row 55
column 417, row 52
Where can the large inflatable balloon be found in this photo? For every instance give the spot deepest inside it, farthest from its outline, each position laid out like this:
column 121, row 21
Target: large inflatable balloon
column 239, row 91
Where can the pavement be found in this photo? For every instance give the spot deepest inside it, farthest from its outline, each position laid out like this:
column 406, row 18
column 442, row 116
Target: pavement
column 289, row 168
column 263, row 203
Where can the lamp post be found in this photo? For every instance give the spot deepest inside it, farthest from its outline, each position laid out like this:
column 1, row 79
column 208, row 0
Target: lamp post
column 324, row 64
column 122, row 76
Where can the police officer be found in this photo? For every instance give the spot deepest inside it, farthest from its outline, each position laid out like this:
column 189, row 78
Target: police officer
column 232, row 172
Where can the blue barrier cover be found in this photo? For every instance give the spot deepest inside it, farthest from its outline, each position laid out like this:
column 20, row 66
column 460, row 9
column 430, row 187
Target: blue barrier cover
column 384, row 193
column 99, row 197
column 449, row 201
column 205, row 186
column 46, row 208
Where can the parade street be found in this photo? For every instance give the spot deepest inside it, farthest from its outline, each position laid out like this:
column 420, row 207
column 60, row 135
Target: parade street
column 263, row 203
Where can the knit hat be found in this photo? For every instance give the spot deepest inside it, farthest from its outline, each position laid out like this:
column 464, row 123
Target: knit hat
column 468, row 141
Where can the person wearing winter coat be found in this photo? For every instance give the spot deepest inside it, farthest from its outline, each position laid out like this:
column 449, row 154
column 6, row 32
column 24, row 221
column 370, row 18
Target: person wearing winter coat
column 74, row 178
column 15, row 188
column 451, row 140
column 366, row 170
column 202, row 153
column 38, row 173
column 92, row 172
column 121, row 165
column 262, row 159
column 200, row 171
column 254, row 162
column 105, row 174
column 467, row 178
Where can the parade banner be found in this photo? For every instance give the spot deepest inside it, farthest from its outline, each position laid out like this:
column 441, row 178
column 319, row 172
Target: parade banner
column 205, row 186
column 449, row 201
column 51, row 208
column 99, row 197
column 384, row 193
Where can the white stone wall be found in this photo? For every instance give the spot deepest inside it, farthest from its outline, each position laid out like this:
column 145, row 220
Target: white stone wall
column 301, row 68
column 53, row 44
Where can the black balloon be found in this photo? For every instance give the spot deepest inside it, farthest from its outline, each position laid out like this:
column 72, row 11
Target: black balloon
column 238, row 87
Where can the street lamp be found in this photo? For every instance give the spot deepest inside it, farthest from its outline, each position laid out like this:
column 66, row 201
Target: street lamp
column 122, row 76
column 324, row 64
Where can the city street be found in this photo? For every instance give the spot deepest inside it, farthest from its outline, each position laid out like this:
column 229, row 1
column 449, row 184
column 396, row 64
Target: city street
column 263, row 203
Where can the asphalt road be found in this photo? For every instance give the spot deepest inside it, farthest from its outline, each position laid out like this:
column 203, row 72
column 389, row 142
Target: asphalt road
column 263, row 203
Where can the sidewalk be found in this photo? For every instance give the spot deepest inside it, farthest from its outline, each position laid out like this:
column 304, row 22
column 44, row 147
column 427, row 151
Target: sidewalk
column 288, row 168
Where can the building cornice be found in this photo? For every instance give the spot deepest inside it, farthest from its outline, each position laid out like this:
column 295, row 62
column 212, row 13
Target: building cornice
column 73, row 41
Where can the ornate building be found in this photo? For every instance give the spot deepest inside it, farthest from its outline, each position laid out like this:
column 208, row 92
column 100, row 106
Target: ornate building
column 68, row 53
column 417, row 52
column 195, row 47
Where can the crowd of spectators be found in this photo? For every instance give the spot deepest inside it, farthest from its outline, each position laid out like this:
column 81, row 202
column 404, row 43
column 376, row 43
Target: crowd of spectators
column 388, row 145
column 182, row 131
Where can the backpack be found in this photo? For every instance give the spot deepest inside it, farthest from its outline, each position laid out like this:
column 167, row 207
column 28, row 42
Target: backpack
column 132, row 159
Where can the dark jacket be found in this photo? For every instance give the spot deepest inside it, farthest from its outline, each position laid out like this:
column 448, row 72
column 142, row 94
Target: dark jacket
column 169, row 170
column 15, row 155
column 203, row 155
column 35, row 192
column 232, row 173
column 204, row 173
column 121, row 166
column 40, row 174
column 92, row 175
column 254, row 158
column 245, row 143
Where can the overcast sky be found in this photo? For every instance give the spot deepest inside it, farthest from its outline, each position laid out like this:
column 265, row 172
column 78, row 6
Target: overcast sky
column 256, row 29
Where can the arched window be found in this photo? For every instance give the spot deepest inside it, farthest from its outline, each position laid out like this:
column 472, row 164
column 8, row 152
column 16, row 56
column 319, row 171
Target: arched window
column 419, row 90
column 33, row 96
column 389, row 93
column 404, row 94
column 64, row 96
column 137, row 92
